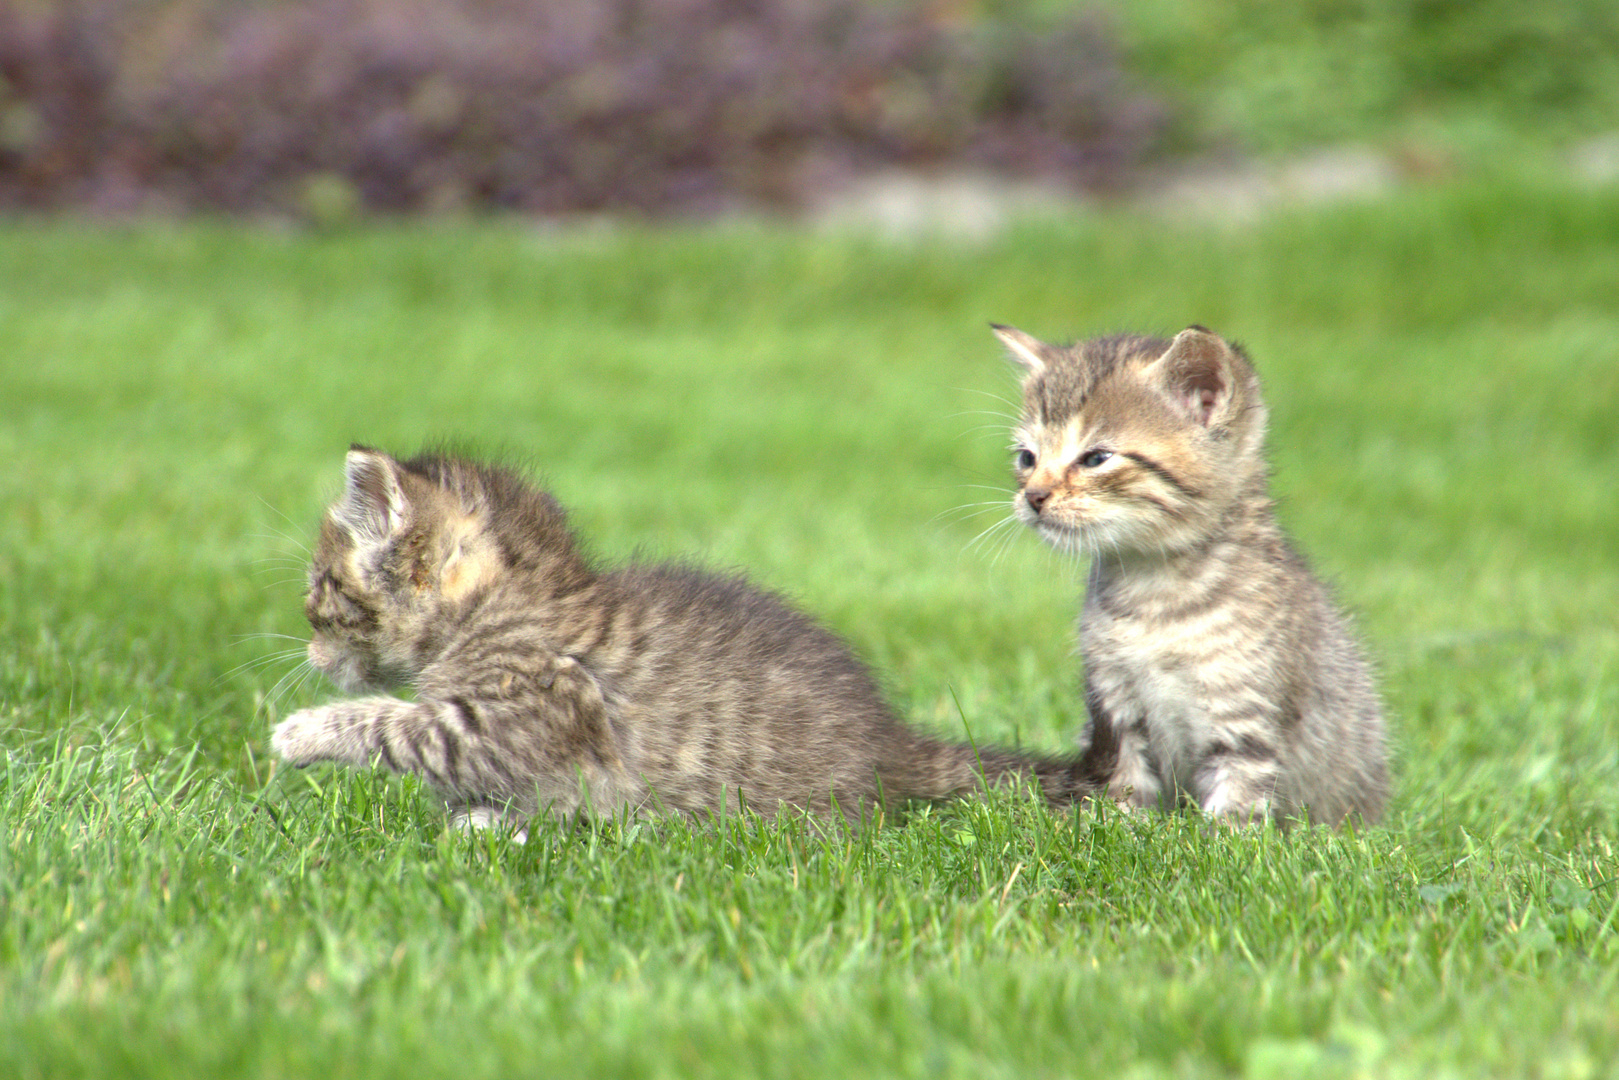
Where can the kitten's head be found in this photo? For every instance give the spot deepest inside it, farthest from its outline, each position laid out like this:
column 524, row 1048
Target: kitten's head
column 409, row 548
column 1132, row 444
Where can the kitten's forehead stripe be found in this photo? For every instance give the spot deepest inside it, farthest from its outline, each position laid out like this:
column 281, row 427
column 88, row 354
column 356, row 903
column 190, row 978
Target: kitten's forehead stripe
column 1062, row 390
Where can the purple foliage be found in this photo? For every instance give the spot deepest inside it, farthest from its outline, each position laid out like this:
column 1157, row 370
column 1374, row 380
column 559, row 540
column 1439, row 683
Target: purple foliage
column 548, row 106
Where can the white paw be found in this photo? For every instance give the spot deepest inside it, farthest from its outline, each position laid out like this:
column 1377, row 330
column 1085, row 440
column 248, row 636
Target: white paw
column 1133, row 797
column 476, row 818
column 1228, row 810
column 300, row 738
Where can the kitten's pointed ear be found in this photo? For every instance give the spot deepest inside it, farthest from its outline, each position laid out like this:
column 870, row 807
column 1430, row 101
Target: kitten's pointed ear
column 1029, row 352
column 1199, row 372
column 373, row 503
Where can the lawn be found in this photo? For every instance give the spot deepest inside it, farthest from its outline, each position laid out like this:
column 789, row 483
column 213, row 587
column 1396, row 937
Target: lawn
column 827, row 412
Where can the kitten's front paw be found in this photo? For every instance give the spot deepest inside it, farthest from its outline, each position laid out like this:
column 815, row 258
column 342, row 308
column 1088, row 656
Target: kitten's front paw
column 301, row 739
column 1133, row 798
column 1221, row 810
column 478, row 818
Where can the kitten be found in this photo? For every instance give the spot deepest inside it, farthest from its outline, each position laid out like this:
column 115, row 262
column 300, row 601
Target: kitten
column 1217, row 667
column 544, row 683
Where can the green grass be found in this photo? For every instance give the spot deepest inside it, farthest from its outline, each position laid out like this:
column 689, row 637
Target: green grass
column 1443, row 82
column 1443, row 371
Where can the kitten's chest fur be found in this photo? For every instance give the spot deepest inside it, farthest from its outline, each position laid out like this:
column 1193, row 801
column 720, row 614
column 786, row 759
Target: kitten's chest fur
column 1153, row 674
column 1185, row 652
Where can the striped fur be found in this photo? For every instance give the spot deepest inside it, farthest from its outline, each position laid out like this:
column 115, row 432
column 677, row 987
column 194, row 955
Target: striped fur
column 544, row 683
column 1217, row 666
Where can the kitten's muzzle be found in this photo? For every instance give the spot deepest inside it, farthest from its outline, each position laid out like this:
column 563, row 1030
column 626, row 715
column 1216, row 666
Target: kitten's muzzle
column 348, row 671
column 1036, row 497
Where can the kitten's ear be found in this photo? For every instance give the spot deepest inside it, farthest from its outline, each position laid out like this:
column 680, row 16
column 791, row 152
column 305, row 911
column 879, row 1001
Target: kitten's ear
column 1199, row 371
column 373, row 503
column 1029, row 352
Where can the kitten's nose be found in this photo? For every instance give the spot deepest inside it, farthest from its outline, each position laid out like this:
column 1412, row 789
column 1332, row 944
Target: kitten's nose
column 1036, row 497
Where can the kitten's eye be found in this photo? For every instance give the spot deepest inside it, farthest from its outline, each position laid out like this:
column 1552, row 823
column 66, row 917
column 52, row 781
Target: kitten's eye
column 1025, row 459
column 1092, row 458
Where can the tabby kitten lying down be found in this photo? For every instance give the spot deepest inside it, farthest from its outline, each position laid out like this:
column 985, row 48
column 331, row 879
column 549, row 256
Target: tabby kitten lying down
column 544, row 683
column 1216, row 666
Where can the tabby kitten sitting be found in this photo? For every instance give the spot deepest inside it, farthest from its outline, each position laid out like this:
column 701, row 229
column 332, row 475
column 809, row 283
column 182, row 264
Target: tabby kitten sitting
column 544, row 683
column 1216, row 665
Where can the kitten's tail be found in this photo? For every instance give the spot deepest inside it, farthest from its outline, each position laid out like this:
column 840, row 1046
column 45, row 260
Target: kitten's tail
column 1063, row 780
column 939, row 770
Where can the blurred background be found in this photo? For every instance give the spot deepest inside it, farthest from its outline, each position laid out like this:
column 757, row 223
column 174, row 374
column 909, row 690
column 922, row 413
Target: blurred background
column 327, row 109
